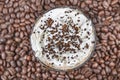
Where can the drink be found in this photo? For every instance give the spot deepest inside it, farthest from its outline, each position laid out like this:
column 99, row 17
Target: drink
column 63, row 38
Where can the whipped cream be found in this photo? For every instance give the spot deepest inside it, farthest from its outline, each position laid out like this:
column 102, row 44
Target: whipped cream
column 63, row 38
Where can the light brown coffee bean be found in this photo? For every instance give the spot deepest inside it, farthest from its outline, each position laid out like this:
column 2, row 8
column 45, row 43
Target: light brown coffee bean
column 88, row 2
column 114, row 72
column 53, row 1
column 114, row 2
column 3, row 77
column 105, row 4
column 13, row 63
column 5, row 11
column 78, row 76
column 3, row 26
column 24, row 70
column 3, row 55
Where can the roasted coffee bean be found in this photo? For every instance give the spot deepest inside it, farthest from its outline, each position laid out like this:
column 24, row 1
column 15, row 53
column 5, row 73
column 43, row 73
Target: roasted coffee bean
column 3, row 55
column 12, row 71
column 13, row 63
column 17, row 60
column 3, row 77
column 2, row 47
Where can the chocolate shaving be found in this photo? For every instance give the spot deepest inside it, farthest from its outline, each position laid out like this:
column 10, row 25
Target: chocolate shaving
column 64, row 28
column 49, row 22
column 87, row 46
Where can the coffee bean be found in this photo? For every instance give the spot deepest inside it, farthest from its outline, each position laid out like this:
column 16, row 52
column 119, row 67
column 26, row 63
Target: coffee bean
column 83, row 5
column 107, row 69
column 5, row 11
column 24, row 70
column 17, row 60
column 3, row 26
column 114, row 2
column 105, row 4
column 24, row 62
column 95, row 65
column 2, row 47
column 3, row 77
column 11, row 10
column 12, row 71
column 114, row 72
column 3, row 55
column 1, row 62
column 61, row 76
column 45, row 76
column 18, row 69
column 53, row 1
column 17, row 39
column 93, row 78
column 13, row 63
column 101, row 13
column 1, row 8
column 88, row 74
column 88, row 1
column 78, row 77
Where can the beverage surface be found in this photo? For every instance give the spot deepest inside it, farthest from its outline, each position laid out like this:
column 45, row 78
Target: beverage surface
column 63, row 38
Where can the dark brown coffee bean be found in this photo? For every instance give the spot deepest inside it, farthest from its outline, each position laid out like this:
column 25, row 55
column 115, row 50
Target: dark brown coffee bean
column 12, row 71
column 10, row 53
column 1, row 62
column 2, row 47
column 17, row 49
column 24, row 62
column 47, row 7
column 88, row 74
column 17, row 20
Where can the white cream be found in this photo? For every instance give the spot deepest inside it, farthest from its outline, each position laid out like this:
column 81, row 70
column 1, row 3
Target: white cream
column 56, row 15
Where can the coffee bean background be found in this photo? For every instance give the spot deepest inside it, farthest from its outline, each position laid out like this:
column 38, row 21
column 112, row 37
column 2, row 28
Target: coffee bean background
column 17, row 60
